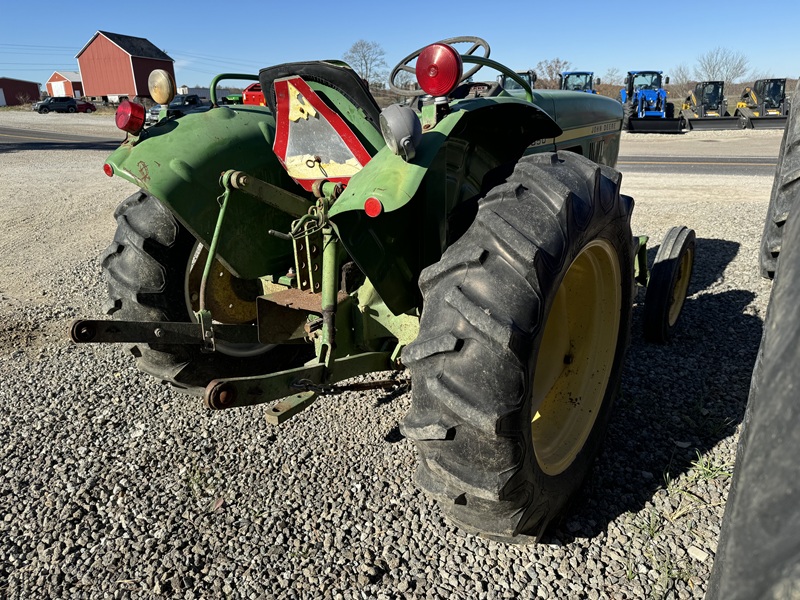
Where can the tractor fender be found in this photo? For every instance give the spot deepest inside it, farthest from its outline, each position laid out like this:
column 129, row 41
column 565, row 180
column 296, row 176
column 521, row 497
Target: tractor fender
column 427, row 202
column 179, row 161
column 506, row 125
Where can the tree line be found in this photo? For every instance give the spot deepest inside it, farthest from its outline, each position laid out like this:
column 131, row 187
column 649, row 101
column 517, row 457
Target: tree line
column 368, row 59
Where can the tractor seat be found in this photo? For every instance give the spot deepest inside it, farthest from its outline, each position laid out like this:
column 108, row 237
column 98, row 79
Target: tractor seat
column 333, row 74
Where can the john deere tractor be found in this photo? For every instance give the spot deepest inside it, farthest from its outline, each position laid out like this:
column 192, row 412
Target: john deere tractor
column 578, row 81
column 513, row 86
column 646, row 107
column 764, row 105
column 482, row 245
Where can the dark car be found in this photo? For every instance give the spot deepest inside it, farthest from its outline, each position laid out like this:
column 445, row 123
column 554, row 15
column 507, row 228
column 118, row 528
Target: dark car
column 56, row 104
column 86, row 107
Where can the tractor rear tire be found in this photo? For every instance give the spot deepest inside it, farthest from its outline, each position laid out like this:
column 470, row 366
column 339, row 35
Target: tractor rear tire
column 146, row 268
column 668, row 285
column 784, row 197
column 522, row 339
column 758, row 554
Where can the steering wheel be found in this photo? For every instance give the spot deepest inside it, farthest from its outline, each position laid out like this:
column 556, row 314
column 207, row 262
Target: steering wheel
column 403, row 65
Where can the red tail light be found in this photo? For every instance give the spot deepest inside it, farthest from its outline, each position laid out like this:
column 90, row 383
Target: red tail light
column 130, row 116
column 373, row 207
column 439, row 69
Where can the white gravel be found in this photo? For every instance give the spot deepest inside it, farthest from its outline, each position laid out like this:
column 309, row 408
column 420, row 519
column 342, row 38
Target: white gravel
column 113, row 485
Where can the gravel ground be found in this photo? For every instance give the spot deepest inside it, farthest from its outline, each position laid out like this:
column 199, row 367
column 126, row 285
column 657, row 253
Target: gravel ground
column 113, row 485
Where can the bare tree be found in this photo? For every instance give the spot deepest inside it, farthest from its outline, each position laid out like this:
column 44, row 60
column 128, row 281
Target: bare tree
column 547, row 72
column 613, row 76
column 681, row 76
column 367, row 59
column 721, row 64
column 762, row 74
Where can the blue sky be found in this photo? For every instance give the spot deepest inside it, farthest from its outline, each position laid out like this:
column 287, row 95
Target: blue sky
column 206, row 38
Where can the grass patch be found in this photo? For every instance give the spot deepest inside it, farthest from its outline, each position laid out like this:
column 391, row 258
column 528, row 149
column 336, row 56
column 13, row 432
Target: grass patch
column 707, row 469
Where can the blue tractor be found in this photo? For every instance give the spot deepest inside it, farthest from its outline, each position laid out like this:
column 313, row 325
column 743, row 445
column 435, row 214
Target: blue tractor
column 645, row 104
column 578, row 81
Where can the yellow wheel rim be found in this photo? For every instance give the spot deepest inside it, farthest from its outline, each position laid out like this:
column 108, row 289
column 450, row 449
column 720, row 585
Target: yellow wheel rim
column 681, row 286
column 576, row 356
column 229, row 299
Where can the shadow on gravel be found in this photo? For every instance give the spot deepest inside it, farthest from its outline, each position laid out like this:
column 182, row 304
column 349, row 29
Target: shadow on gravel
column 106, row 145
column 677, row 400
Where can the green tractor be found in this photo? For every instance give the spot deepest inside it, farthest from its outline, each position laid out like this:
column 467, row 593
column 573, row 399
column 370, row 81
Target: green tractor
column 480, row 243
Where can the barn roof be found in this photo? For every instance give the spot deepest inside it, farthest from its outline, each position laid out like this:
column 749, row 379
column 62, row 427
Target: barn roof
column 68, row 75
column 20, row 80
column 135, row 46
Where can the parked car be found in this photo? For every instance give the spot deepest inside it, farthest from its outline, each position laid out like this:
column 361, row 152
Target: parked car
column 181, row 105
column 86, row 107
column 56, row 104
column 151, row 117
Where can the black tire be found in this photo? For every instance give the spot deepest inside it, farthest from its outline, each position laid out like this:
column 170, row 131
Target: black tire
column 627, row 115
column 758, row 554
column 668, row 284
column 744, row 114
column 71, row 109
column 44, row 111
column 670, row 112
column 146, row 268
column 88, row 111
column 784, row 197
column 484, row 335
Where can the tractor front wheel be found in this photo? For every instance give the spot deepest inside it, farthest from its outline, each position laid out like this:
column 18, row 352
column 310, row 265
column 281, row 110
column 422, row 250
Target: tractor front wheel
column 153, row 269
column 627, row 113
column 668, row 284
column 522, row 339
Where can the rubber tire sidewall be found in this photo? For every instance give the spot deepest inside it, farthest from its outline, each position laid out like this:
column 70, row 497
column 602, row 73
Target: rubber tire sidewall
column 627, row 114
column 145, row 268
column 663, row 278
column 494, row 426
column 784, row 196
column 758, row 555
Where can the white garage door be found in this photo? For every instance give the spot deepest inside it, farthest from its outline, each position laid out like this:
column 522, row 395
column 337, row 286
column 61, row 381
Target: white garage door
column 58, row 88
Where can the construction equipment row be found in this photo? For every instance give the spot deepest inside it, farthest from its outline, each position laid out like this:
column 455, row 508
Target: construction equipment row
column 647, row 109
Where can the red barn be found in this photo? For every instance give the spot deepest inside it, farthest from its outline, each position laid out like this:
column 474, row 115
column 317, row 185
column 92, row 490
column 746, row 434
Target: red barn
column 65, row 83
column 114, row 66
column 14, row 92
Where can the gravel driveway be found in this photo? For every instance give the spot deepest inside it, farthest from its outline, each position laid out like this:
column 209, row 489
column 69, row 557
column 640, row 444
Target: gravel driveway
column 113, row 485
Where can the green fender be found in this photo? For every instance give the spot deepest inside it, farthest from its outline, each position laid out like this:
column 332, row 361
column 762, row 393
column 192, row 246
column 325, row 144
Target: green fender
column 428, row 202
column 180, row 161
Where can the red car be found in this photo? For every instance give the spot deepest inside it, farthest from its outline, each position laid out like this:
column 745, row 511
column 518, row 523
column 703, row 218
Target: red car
column 86, row 107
